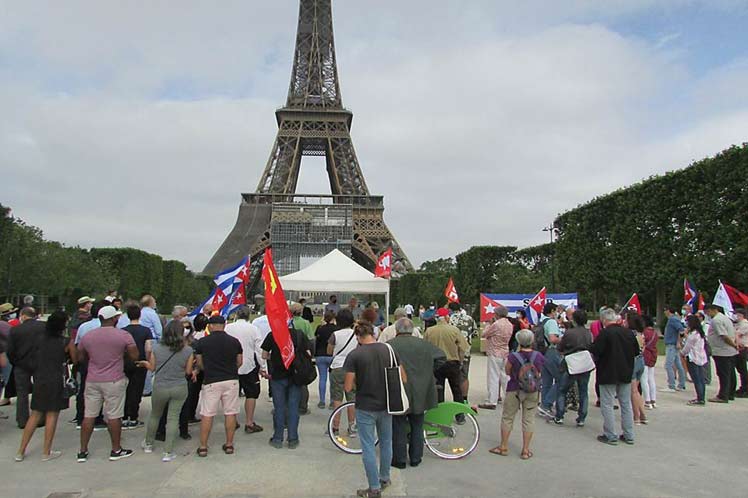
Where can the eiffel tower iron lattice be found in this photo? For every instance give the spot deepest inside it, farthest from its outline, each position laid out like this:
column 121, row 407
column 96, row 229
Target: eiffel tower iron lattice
column 312, row 123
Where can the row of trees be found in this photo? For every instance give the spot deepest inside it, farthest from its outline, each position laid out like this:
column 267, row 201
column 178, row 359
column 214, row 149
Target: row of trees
column 645, row 238
column 29, row 264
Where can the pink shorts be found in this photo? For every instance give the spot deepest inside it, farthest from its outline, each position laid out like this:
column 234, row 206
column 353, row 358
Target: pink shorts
column 225, row 393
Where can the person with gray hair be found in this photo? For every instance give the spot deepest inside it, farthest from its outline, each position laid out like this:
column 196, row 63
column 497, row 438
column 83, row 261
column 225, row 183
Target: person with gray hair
column 614, row 351
column 518, row 396
column 497, row 336
column 389, row 332
column 418, row 357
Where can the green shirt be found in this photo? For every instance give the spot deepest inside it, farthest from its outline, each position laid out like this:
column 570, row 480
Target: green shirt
column 303, row 326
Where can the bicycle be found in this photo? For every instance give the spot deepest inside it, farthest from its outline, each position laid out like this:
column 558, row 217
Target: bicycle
column 445, row 434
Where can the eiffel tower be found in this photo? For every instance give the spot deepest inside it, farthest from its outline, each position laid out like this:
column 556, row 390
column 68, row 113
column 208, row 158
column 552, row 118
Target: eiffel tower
column 312, row 123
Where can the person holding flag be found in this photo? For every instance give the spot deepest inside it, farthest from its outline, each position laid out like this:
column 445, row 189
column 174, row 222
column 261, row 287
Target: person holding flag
column 281, row 349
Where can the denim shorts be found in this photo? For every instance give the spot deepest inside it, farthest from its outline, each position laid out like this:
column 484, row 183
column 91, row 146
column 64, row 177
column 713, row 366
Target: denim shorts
column 638, row 368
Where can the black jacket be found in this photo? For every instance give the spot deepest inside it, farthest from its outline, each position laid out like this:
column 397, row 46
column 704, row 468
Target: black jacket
column 614, row 351
column 23, row 343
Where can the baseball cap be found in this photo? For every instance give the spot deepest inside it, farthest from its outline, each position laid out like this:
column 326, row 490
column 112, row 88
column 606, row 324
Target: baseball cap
column 442, row 312
column 86, row 299
column 216, row 319
column 108, row 312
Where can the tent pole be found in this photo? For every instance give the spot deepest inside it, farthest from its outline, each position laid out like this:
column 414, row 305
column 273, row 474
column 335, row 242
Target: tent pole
column 387, row 305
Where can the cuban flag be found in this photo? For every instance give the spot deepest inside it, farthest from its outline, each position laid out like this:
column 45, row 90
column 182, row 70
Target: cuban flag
column 516, row 302
column 689, row 294
column 228, row 282
column 534, row 309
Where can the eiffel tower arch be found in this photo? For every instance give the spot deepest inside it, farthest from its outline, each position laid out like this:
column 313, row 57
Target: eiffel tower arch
column 312, row 123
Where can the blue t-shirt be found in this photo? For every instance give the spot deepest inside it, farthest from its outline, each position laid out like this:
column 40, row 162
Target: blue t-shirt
column 672, row 330
column 550, row 327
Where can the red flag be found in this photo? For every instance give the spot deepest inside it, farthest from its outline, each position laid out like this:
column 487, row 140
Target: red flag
column 736, row 297
column 451, row 292
column 701, row 301
column 487, row 307
column 276, row 309
column 384, row 265
column 633, row 304
column 219, row 300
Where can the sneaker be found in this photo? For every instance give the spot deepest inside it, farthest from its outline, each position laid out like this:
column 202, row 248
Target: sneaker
column 627, row 441
column 644, row 421
column 119, row 455
column 82, row 456
column 52, row 455
column 77, row 427
column 100, row 427
column 679, row 388
column 580, row 424
column 168, row 457
column 19, row 457
column 369, row 493
column 648, row 405
column 136, row 424
column 558, row 421
column 487, row 406
column 385, row 484
column 321, row 405
column 695, row 402
column 603, row 439
column 185, row 435
column 147, row 448
column 654, row 405
column 292, row 445
column 543, row 412
column 276, row 444
column 668, row 390
column 717, row 400
column 352, row 431
column 330, row 406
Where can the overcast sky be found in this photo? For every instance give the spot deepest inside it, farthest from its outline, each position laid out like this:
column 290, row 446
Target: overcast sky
column 139, row 123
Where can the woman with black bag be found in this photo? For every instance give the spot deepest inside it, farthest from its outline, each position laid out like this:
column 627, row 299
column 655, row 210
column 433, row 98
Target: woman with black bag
column 49, row 395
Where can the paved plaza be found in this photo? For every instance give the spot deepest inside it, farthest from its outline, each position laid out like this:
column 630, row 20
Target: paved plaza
column 683, row 452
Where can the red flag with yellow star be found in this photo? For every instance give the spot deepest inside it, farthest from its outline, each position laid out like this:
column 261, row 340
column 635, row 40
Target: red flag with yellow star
column 276, row 309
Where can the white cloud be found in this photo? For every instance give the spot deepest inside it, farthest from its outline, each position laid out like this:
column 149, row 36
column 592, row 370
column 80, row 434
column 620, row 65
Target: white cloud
column 478, row 124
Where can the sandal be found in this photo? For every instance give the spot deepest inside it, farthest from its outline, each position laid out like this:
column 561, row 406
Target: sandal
column 526, row 456
column 202, row 452
column 499, row 451
column 228, row 449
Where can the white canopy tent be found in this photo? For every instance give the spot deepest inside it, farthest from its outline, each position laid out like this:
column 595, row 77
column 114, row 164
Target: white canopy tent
column 336, row 272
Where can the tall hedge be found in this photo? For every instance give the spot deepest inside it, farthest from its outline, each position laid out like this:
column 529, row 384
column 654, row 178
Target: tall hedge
column 646, row 238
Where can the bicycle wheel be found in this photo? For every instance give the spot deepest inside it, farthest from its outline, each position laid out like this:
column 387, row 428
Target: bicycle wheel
column 346, row 439
column 453, row 441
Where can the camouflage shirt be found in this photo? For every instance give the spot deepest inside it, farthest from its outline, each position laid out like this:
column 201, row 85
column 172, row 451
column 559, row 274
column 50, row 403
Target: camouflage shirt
column 466, row 324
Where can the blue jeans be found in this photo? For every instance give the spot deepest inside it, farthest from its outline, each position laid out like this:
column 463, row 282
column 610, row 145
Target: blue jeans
column 286, row 397
column 672, row 359
column 566, row 381
column 370, row 425
column 608, row 394
column 323, row 367
column 550, row 378
column 697, row 376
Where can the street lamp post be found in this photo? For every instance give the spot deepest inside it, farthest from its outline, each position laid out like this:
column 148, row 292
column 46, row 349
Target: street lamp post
column 550, row 230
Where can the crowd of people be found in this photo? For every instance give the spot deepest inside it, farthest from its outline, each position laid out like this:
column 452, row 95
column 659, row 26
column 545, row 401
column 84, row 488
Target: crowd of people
column 110, row 354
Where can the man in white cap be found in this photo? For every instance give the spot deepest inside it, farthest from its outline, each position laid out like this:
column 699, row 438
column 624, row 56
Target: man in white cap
column 106, row 383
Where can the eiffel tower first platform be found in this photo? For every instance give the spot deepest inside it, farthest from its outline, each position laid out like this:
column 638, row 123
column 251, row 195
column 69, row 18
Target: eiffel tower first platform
column 312, row 123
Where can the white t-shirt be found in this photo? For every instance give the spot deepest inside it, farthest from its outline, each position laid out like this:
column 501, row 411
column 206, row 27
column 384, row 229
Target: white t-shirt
column 262, row 323
column 341, row 338
column 251, row 339
column 408, row 309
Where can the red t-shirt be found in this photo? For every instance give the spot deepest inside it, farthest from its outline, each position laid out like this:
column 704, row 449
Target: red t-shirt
column 650, row 347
